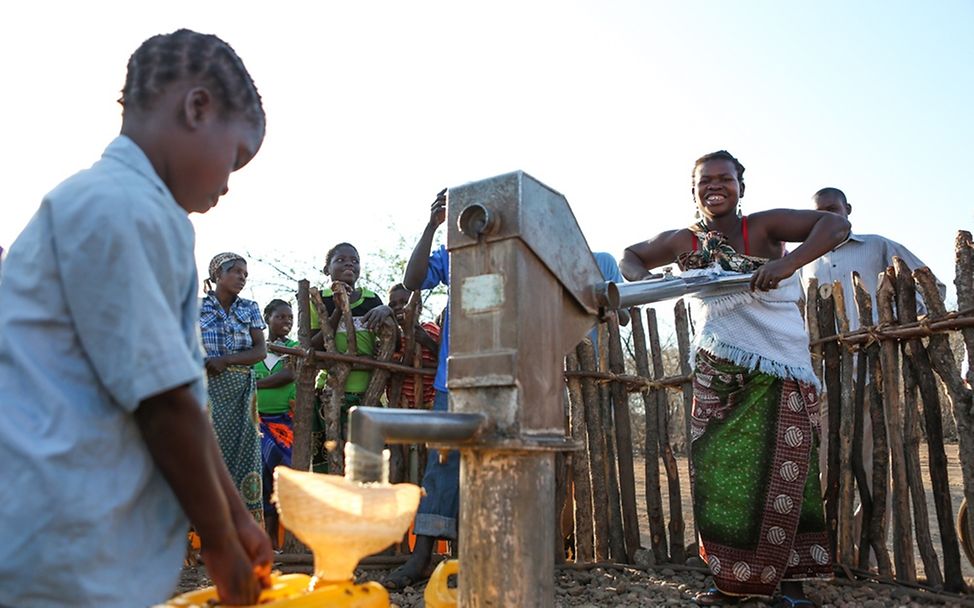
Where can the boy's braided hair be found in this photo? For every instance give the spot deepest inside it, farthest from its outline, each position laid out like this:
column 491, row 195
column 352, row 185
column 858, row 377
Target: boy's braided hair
column 167, row 58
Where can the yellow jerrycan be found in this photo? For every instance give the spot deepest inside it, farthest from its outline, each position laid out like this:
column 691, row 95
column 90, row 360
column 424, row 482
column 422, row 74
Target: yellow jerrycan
column 438, row 594
column 291, row 591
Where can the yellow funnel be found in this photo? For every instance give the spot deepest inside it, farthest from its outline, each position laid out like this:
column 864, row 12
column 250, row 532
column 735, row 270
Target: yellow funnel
column 341, row 521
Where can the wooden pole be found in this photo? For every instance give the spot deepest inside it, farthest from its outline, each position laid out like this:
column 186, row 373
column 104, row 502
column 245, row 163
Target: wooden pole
column 676, row 527
column 961, row 396
column 682, row 326
column 859, row 469
column 617, row 540
column 845, row 548
column 581, row 480
column 654, row 501
column 933, row 421
column 408, row 347
column 304, row 398
column 304, row 402
column 964, row 283
column 596, row 449
column 876, row 521
column 623, row 436
column 833, row 405
column 388, row 338
column 902, row 539
column 812, row 323
column 914, row 476
column 337, row 376
column 326, row 359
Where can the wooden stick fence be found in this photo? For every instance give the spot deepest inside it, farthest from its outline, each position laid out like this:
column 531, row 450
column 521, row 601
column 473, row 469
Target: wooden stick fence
column 885, row 376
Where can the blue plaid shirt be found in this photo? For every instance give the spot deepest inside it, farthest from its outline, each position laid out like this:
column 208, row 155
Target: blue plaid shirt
column 226, row 333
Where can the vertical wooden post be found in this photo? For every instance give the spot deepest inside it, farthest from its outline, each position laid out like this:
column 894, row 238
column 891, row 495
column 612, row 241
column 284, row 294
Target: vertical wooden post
column 845, row 548
column 388, row 338
column 902, row 539
column 596, row 450
column 337, row 374
column 914, row 476
column 654, row 501
column 877, row 520
column 833, row 403
column 812, row 323
column 858, row 466
column 933, row 419
column 676, row 527
column 617, row 540
column 305, row 370
column 304, row 398
column 623, row 435
column 964, row 283
column 942, row 359
column 409, row 351
column 682, row 326
column 581, row 481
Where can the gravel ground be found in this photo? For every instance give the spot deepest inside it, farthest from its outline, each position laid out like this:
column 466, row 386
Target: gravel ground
column 624, row 587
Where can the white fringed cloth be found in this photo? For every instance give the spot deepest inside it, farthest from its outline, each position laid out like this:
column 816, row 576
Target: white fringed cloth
column 760, row 330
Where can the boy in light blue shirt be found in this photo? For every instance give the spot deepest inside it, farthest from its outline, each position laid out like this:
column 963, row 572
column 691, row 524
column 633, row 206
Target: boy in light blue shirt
column 105, row 444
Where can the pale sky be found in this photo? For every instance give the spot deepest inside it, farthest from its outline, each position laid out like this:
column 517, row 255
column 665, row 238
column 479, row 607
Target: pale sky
column 375, row 106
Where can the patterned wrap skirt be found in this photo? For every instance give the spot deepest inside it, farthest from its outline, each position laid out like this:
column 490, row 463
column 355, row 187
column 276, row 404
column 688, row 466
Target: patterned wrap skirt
column 754, row 470
column 233, row 408
column 276, row 442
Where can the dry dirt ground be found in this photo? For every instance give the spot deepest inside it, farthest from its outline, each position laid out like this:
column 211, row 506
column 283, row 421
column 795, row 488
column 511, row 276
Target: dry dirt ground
column 673, row 586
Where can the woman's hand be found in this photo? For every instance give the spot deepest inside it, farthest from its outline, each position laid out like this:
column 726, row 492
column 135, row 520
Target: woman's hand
column 771, row 274
column 215, row 365
column 375, row 317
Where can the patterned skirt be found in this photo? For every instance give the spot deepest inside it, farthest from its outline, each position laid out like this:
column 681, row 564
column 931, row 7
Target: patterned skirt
column 276, row 441
column 754, row 470
column 233, row 408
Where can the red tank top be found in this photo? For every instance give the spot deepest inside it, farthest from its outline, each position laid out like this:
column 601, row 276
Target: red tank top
column 747, row 248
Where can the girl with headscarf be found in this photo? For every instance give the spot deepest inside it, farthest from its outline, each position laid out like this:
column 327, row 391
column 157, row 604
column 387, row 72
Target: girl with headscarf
column 232, row 331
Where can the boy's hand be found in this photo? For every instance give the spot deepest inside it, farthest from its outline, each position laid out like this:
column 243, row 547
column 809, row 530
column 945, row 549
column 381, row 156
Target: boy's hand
column 438, row 209
column 232, row 572
column 256, row 543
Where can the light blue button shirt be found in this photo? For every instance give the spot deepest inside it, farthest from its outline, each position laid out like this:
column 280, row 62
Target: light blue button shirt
column 98, row 311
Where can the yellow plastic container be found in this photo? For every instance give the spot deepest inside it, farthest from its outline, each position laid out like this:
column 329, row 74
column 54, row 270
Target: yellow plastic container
column 438, row 594
column 291, row 591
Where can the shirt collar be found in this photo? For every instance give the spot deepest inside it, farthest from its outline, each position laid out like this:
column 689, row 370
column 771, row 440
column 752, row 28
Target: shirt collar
column 211, row 300
column 852, row 237
column 127, row 152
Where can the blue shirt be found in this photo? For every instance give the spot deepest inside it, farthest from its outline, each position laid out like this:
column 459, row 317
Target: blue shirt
column 225, row 333
column 610, row 272
column 98, row 312
column 438, row 273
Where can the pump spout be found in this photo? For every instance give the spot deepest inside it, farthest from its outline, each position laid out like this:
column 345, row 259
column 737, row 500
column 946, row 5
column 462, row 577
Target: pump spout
column 370, row 428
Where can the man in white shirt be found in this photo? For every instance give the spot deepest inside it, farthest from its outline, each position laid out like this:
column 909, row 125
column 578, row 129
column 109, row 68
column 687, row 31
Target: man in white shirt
column 869, row 255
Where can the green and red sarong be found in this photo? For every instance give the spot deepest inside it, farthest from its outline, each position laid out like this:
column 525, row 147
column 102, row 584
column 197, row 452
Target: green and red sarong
column 754, row 470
